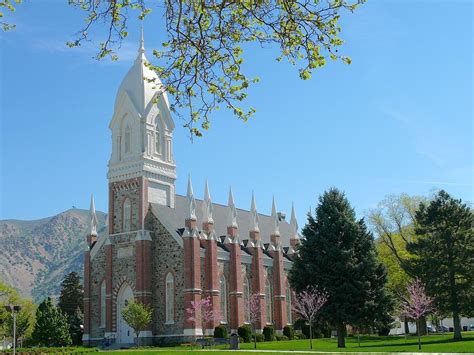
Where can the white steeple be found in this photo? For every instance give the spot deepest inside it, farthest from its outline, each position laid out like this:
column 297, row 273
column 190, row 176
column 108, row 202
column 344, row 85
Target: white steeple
column 293, row 223
column 142, row 132
column 254, row 213
column 232, row 222
column 93, row 217
column 191, row 200
column 276, row 219
column 207, row 208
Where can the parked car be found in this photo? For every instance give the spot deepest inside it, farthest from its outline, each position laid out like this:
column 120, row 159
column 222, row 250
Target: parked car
column 442, row 328
column 471, row 326
column 430, row 329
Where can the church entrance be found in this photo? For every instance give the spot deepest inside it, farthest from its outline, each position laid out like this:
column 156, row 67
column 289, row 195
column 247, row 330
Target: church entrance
column 125, row 334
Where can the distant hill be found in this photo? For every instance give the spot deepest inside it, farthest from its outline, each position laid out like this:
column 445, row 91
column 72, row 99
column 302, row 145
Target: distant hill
column 35, row 255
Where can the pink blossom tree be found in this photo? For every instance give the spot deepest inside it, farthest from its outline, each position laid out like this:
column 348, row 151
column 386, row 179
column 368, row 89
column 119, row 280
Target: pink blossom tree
column 202, row 311
column 416, row 304
column 253, row 311
column 307, row 305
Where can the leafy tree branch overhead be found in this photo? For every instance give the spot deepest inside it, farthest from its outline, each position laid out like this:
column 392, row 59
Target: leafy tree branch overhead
column 200, row 63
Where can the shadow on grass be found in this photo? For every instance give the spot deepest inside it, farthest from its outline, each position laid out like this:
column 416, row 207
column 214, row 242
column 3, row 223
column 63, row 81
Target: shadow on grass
column 415, row 342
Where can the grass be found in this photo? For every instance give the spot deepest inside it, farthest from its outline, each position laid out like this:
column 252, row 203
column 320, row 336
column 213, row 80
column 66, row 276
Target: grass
column 430, row 343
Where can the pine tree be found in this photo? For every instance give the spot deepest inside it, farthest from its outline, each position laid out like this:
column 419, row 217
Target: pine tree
column 71, row 296
column 71, row 304
column 444, row 250
column 338, row 255
column 51, row 327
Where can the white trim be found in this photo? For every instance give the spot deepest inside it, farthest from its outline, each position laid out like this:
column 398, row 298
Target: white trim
column 192, row 331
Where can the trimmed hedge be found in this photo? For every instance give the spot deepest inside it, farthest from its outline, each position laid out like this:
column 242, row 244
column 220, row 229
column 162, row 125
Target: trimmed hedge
column 52, row 350
column 289, row 332
column 269, row 333
column 220, row 332
column 260, row 337
column 245, row 332
column 281, row 337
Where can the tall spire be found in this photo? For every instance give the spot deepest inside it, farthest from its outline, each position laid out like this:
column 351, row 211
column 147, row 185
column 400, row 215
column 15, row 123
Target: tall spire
column 93, row 217
column 232, row 210
column 276, row 219
column 293, row 223
column 191, row 200
column 253, row 211
column 207, row 208
column 141, row 48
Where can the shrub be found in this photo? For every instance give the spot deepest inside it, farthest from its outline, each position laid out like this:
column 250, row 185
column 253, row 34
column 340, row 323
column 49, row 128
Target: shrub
column 220, row 332
column 384, row 331
column 269, row 333
column 299, row 336
column 260, row 337
column 281, row 337
column 289, row 332
column 245, row 332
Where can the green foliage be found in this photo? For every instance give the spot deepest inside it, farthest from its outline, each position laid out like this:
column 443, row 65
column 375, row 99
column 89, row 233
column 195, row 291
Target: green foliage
column 245, row 332
column 299, row 336
column 269, row 333
column 71, row 304
column 53, row 350
column 259, row 337
column 201, row 61
column 444, row 255
column 138, row 316
column 26, row 317
column 338, row 255
column 220, row 332
column 279, row 337
column 9, row 6
column 51, row 327
column 289, row 332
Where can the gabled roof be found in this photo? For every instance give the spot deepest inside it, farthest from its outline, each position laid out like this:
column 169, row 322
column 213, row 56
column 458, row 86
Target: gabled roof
column 175, row 217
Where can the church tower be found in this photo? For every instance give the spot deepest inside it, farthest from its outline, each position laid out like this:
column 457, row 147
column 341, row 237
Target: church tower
column 141, row 166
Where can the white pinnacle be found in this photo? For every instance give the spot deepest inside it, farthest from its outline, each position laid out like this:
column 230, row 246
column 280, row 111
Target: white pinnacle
column 93, row 216
column 253, row 210
column 191, row 200
column 207, row 208
column 232, row 210
column 276, row 220
column 293, row 223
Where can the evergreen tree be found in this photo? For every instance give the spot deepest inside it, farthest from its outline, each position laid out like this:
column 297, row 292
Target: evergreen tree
column 71, row 296
column 51, row 327
column 71, row 304
column 338, row 255
column 444, row 250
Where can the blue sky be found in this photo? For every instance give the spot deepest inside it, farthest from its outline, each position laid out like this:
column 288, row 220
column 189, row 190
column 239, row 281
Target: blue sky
column 399, row 119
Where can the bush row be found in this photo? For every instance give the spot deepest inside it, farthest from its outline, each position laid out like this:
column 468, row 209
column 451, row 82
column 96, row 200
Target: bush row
column 51, row 350
column 268, row 334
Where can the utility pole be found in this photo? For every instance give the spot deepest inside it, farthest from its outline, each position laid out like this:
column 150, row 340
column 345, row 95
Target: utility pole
column 14, row 311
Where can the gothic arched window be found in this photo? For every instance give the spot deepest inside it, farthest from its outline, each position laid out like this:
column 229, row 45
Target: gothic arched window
column 128, row 137
column 288, row 303
column 223, row 289
column 169, row 295
column 269, row 301
column 127, row 215
column 102, row 304
column 247, row 299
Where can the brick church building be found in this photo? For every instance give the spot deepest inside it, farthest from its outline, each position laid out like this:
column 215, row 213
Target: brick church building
column 166, row 250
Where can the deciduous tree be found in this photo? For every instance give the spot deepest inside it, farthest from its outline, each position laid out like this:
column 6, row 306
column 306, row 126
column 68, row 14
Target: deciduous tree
column 201, row 311
column 51, row 327
column 138, row 316
column 307, row 305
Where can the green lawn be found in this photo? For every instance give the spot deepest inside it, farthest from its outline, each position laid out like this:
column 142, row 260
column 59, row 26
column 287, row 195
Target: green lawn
column 431, row 343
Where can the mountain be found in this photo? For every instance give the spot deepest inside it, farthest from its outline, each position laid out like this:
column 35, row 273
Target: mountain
column 35, row 255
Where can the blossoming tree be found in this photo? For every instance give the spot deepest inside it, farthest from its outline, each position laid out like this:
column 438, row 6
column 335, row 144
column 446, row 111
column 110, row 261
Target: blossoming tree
column 202, row 311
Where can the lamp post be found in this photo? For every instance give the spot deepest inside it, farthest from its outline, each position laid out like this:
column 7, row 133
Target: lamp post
column 14, row 311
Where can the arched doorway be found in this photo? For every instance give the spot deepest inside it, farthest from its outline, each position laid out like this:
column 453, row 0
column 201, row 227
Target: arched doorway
column 125, row 334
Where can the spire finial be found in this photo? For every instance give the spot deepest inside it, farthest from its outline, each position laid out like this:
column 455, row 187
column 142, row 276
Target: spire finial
column 142, row 41
column 207, row 208
column 233, row 211
column 253, row 210
column 93, row 216
column 293, row 223
column 191, row 200
column 276, row 219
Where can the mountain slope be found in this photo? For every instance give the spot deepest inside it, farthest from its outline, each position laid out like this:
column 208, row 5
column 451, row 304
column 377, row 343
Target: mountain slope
column 35, row 255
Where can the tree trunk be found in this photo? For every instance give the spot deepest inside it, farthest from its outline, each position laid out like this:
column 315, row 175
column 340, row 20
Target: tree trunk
column 310, row 336
column 341, row 341
column 421, row 323
column 418, row 321
column 457, row 327
column 254, row 336
column 407, row 326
